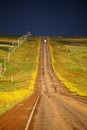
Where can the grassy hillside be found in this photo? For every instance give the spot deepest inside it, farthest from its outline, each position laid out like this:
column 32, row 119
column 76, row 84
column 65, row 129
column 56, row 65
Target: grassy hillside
column 18, row 81
column 8, row 38
column 69, row 60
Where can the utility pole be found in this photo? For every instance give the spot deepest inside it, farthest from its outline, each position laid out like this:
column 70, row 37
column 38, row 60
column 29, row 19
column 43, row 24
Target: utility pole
column 29, row 34
column 4, row 65
column 9, row 49
column 18, row 42
column 0, row 68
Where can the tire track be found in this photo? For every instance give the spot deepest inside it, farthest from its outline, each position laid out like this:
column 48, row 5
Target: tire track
column 55, row 110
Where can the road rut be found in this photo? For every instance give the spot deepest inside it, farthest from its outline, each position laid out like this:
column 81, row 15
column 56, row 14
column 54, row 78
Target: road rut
column 56, row 111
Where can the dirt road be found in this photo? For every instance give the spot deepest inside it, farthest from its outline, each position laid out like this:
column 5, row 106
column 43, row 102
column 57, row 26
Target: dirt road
column 56, row 111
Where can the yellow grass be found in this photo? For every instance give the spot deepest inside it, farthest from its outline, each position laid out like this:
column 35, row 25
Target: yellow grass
column 9, row 98
column 70, row 79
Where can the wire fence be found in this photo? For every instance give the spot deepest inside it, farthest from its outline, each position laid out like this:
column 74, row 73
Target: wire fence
column 11, row 48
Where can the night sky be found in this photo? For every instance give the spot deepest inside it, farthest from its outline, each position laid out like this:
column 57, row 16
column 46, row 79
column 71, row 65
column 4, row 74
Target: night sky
column 44, row 17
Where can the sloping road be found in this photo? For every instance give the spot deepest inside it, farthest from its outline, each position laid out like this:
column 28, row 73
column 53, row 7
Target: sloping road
column 56, row 111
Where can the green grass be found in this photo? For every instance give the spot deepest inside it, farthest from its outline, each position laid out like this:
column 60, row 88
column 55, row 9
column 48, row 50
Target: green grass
column 69, row 60
column 4, row 49
column 5, row 43
column 8, row 43
column 23, row 66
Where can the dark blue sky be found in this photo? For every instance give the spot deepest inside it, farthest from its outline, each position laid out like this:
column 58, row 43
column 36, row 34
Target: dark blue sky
column 44, row 17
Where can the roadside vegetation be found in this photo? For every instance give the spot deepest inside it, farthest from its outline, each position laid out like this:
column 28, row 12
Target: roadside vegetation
column 17, row 83
column 69, row 61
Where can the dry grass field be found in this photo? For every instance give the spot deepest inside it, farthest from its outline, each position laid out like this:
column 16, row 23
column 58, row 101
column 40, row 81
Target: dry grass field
column 69, row 60
column 17, row 83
